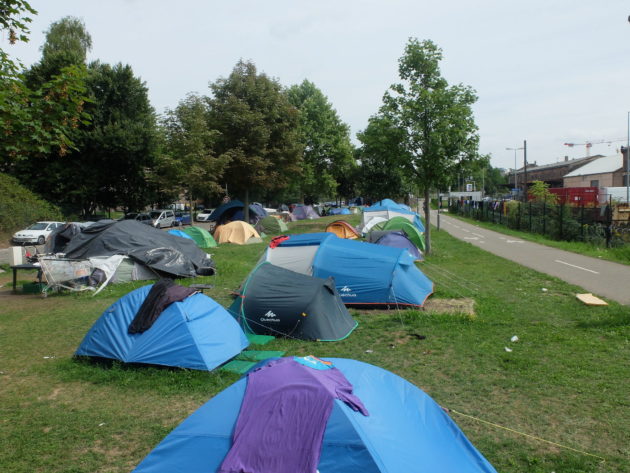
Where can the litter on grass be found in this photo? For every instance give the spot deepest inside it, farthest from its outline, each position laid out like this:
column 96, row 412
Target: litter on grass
column 509, row 350
column 514, row 339
column 590, row 299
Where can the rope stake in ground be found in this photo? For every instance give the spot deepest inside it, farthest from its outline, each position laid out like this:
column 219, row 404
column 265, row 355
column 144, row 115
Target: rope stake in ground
column 447, row 410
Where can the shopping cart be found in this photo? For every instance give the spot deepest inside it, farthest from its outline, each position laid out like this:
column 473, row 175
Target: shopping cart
column 64, row 273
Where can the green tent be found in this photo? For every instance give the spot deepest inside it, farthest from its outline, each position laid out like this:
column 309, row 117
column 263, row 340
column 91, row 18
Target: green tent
column 273, row 226
column 401, row 223
column 201, row 236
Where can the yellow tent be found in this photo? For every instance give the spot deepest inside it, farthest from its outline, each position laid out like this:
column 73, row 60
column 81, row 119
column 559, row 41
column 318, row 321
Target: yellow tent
column 237, row 232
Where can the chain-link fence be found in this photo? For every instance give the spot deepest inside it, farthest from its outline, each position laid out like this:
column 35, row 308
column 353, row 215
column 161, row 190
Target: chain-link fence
column 607, row 224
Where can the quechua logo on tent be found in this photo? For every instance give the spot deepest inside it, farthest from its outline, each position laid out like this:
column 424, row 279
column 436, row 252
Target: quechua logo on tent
column 345, row 291
column 269, row 317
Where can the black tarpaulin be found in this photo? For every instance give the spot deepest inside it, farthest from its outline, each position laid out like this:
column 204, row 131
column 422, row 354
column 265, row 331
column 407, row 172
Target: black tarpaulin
column 157, row 249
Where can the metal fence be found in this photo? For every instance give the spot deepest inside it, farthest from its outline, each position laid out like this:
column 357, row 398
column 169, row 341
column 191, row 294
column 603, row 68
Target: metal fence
column 607, row 224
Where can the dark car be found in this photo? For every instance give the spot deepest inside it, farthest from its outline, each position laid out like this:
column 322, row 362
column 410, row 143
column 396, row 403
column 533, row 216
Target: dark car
column 182, row 218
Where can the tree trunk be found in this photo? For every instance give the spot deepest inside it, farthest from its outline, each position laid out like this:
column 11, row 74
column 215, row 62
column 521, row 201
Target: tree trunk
column 427, row 221
column 246, row 206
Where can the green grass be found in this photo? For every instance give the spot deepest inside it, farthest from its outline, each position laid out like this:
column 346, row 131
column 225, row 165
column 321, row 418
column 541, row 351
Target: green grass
column 566, row 379
column 619, row 254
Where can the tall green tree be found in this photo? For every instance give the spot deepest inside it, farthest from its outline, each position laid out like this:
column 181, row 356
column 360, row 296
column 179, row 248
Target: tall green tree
column 120, row 145
column 437, row 119
column 258, row 132
column 35, row 120
column 189, row 163
column 113, row 153
column 383, row 159
column 328, row 152
column 67, row 44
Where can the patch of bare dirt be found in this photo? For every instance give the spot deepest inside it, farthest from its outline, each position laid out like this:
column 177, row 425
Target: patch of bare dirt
column 463, row 306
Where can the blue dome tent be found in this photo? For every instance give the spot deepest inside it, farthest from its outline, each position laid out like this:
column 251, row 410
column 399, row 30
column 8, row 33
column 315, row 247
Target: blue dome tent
column 339, row 211
column 405, row 431
column 196, row 333
column 364, row 273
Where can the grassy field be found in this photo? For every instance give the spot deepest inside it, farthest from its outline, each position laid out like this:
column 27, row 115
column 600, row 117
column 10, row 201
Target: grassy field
column 566, row 379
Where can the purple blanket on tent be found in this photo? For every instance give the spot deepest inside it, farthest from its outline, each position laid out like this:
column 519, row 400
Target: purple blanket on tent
column 283, row 417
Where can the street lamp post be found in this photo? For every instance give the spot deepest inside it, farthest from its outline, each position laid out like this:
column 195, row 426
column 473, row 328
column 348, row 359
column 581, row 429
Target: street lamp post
column 515, row 175
column 628, row 160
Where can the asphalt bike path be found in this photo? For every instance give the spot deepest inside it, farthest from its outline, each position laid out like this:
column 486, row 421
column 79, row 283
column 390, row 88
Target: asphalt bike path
column 600, row 277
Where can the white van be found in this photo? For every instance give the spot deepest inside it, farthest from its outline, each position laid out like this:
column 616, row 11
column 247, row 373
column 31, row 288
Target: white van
column 162, row 218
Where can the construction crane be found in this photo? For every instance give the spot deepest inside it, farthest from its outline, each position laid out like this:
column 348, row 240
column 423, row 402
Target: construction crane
column 589, row 144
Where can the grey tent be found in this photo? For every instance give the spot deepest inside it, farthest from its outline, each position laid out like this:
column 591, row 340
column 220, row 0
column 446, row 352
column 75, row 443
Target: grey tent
column 280, row 302
column 160, row 251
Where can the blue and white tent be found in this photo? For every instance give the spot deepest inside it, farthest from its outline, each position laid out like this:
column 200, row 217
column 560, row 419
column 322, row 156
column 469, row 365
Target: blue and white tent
column 405, row 431
column 364, row 273
column 196, row 333
column 387, row 209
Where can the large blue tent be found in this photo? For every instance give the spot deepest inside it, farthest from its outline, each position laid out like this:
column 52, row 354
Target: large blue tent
column 196, row 333
column 364, row 273
column 405, row 431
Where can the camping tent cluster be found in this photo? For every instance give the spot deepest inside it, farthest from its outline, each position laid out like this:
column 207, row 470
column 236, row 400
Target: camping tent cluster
column 364, row 274
column 354, row 417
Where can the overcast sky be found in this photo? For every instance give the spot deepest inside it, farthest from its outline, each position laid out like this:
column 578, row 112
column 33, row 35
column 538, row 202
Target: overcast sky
column 545, row 71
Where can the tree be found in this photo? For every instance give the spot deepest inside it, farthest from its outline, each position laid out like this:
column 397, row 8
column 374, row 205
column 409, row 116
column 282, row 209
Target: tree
column 258, row 132
column 67, row 44
column 113, row 153
column 14, row 20
column 437, row 120
column 539, row 192
column 383, row 158
column 35, row 121
column 328, row 152
column 189, row 162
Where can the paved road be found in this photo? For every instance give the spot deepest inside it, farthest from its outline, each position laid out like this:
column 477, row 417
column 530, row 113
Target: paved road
column 602, row 278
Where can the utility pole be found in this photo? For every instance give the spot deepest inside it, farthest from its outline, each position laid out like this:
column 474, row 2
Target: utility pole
column 525, row 170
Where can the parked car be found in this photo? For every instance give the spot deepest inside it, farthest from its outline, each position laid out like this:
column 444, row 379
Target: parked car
column 204, row 215
column 144, row 218
column 36, row 233
column 162, row 218
column 182, row 218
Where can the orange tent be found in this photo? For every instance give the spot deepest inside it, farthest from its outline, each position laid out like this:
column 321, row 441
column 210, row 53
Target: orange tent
column 238, row 232
column 342, row 229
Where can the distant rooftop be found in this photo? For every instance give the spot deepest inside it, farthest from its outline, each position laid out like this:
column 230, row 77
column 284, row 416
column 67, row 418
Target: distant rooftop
column 599, row 166
column 569, row 162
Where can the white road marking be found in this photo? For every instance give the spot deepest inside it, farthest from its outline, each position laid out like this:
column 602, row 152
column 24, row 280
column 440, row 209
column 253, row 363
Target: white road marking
column 514, row 241
column 502, row 238
column 480, row 236
column 471, row 238
column 464, row 230
column 578, row 267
